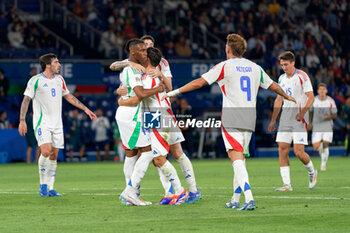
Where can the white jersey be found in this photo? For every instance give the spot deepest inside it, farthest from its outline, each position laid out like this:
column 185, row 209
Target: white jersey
column 47, row 100
column 319, row 109
column 164, row 68
column 239, row 80
column 130, row 79
column 153, row 101
column 295, row 86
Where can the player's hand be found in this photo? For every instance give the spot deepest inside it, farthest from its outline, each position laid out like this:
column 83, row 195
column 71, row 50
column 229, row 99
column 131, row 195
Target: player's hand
column 22, row 128
column 91, row 114
column 290, row 98
column 121, row 91
column 300, row 116
column 327, row 116
column 164, row 97
column 154, row 73
column 139, row 68
column 271, row 126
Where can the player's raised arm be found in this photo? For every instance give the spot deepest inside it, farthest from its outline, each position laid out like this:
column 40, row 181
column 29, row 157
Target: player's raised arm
column 154, row 73
column 119, row 65
column 22, row 128
column 75, row 102
column 191, row 86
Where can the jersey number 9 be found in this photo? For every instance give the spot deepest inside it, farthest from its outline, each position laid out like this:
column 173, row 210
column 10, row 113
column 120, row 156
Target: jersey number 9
column 245, row 86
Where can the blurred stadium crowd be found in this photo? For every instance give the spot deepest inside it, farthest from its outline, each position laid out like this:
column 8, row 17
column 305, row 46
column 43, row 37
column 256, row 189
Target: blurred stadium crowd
column 317, row 31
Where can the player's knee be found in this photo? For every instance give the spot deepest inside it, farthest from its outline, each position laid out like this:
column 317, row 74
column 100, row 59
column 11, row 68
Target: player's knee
column 46, row 152
column 299, row 153
column 159, row 161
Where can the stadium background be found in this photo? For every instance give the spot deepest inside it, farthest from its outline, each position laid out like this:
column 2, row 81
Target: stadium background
column 89, row 35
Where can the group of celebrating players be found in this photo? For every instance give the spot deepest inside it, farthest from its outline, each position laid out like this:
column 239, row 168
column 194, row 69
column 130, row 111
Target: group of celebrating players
column 146, row 86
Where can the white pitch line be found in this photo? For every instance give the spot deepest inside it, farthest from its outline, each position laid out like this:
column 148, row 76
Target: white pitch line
column 220, row 196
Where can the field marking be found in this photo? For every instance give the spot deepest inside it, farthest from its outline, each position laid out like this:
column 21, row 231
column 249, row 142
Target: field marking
column 208, row 195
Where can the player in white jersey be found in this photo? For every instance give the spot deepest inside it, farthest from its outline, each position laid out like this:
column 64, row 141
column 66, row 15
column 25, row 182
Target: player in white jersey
column 239, row 80
column 175, row 149
column 294, row 119
column 322, row 113
column 47, row 89
column 159, row 159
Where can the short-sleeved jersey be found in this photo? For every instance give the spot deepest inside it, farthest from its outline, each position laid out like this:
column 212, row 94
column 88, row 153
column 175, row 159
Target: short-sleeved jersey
column 239, row 80
column 47, row 100
column 295, row 86
column 164, row 68
column 319, row 109
column 153, row 101
column 130, row 79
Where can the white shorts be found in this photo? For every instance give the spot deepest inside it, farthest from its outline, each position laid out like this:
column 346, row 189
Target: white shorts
column 296, row 133
column 54, row 136
column 237, row 139
column 133, row 135
column 162, row 140
column 322, row 136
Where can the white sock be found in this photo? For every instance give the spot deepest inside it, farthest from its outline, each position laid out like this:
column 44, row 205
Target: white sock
column 236, row 190
column 310, row 167
column 242, row 177
column 187, row 171
column 51, row 174
column 165, row 183
column 129, row 164
column 324, row 156
column 170, row 172
column 43, row 169
column 140, row 169
column 285, row 174
column 121, row 152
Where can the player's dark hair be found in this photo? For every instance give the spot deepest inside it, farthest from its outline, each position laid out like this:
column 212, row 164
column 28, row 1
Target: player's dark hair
column 131, row 43
column 237, row 44
column 154, row 56
column 288, row 56
column 46, row 59
column 147, row 37
column 322, row 85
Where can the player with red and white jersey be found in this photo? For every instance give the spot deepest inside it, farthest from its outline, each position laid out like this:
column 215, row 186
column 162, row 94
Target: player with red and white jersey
column 160, row 146
column 294, row 119
column 47, row 89
column 175, row 149
column 323, row 111
column 239, row 80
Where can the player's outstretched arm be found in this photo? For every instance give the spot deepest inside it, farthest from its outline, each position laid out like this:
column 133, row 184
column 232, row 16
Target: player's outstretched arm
column 119, row 65
column 191, row 86
column 278, row 90
column 75, row 102
column 276, row 111
column 22, row 128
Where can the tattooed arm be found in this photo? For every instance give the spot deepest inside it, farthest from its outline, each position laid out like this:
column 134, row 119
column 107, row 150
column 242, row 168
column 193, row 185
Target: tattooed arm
column 75, row 102
column 22, row 128
column 119, row 65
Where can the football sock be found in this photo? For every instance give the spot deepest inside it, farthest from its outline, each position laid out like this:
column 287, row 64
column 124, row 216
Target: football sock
column 310, row 167
column 242, row 177
column 51, row 175
column 324, row 156
column 140, row 169
column 170, row 173
column 237, row 191
column 43, row 169
column 121, row 152
column 187, row 171
column 285, row 174
column 165, row 183
column 129, row 164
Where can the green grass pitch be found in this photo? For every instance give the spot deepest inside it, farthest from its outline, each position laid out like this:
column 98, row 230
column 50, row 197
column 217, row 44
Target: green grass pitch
column 90, row 202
